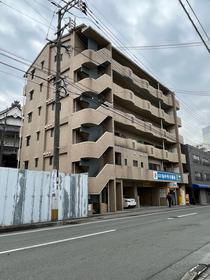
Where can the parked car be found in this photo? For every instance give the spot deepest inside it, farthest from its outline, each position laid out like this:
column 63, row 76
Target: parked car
column 129, row 202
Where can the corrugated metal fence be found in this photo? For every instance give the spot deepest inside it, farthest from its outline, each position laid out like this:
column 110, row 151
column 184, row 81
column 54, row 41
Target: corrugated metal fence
column 26, row 196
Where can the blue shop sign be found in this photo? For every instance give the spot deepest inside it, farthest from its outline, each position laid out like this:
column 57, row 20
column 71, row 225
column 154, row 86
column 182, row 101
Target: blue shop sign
column 166, row 176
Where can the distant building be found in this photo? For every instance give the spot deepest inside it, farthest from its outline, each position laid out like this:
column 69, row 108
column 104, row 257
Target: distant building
column 206, row 134
column 198, row 167
column 205, row 146
column 10, row 123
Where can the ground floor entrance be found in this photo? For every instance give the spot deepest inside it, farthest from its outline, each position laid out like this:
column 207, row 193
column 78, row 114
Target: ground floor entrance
column 117, row 192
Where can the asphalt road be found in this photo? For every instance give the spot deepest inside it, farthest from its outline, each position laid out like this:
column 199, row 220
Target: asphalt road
column 161, row 245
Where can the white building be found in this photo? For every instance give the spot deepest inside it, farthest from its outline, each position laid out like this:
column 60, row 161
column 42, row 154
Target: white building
column 10, row 123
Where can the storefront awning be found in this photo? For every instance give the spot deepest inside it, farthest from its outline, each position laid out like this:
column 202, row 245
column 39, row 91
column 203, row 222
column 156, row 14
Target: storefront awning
column 200, row 186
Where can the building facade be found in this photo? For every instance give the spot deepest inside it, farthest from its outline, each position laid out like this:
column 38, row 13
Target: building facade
column 198, row 167
column 117, row 123
column 10, row 124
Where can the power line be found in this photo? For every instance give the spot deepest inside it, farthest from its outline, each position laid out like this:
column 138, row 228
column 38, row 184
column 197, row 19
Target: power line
column 163, row 46
column 113, row 110
column 207, row 36
column 196, row 29
column 82, row 89
column 18, row 11
column 34, row 9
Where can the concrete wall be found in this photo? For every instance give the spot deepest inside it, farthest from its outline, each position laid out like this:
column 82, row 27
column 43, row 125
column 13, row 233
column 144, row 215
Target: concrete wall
column 26, row 196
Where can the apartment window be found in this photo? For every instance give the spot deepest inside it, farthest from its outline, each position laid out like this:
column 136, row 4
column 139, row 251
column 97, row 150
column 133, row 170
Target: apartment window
column 198, row 176
column 196, row 158
column 36, row 162
column 53, row 106
column 51, row 132
column 42, row 64
column 40, row 87
column 118, row 158
column 30, row 117
column 205, row 162
column 135, row 163
column 33, row 74
column 39, row 110
column 126, row 161
column 50, row 160
column 37, row 135
column 142, row 165
column 28, row 138
column 31, row 94
column 26, row 163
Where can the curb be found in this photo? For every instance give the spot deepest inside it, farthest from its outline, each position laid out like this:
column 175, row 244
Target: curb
column 89, row 219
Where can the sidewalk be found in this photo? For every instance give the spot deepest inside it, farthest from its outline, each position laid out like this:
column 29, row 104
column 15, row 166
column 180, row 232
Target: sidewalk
column 112, row 215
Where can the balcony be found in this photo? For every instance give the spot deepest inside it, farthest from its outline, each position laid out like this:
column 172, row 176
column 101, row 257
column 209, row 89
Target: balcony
column 148, row 149
column 142, row 104
column 141, row 83
column 142, row 126
column 90, row 57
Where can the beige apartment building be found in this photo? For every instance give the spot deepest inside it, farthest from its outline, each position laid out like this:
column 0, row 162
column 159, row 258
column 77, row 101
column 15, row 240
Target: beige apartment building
column 117, row 123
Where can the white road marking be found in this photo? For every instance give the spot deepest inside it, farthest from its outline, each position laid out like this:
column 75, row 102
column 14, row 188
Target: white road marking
column 182, row 216
column 55, row 242
column 96, row 222
column 190, row 214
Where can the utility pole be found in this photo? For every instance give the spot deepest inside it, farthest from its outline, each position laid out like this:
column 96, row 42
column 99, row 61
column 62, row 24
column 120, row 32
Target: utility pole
column 62, row 10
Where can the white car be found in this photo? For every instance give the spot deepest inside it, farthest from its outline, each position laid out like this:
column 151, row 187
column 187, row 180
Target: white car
column 129, row 202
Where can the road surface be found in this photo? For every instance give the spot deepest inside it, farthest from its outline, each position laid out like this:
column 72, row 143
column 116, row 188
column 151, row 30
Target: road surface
column 161, row 245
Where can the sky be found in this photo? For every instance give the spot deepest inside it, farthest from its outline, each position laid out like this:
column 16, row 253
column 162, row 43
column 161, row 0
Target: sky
column 25, row 25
